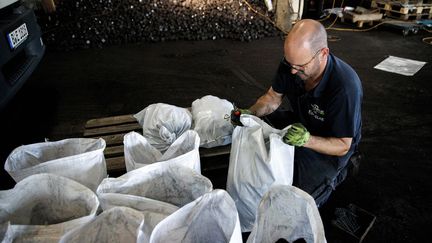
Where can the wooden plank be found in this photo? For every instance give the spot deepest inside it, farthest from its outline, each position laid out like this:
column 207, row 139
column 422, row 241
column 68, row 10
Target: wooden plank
column 108, row 121
column 98, row 131
column 115, row 159
column 216, row 151
column 114, row 139
column 204, row 152
column 215, row 167
column 114, row 151
column 116, row 164
column 410, row 1
column 426, row 10
column 405, row 16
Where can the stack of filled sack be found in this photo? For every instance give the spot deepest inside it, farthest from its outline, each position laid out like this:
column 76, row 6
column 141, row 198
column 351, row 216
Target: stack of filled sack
column 63, row 193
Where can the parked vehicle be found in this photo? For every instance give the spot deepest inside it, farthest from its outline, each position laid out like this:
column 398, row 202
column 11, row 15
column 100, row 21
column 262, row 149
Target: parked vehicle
column 21, row 47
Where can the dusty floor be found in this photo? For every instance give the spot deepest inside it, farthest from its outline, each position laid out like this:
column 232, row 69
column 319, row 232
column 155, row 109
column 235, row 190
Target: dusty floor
column 394, row 181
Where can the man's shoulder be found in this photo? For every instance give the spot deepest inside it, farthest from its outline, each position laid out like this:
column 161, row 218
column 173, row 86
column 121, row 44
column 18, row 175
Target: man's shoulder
column 343, row 74
column 342, row 67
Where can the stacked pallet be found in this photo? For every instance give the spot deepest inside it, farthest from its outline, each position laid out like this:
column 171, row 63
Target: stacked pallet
column 404, row 9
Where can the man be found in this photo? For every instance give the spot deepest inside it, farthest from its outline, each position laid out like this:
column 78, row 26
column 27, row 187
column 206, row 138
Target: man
column 325, row 94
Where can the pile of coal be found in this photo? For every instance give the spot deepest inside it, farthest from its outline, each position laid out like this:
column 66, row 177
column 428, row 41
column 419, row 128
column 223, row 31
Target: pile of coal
column 81, row 24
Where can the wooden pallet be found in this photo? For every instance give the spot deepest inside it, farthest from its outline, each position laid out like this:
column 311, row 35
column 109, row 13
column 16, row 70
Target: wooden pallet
column 404, row 11
column 401, row 6
column 406, row 17
column 406, row 3
column 410, row 2
column 112, row 130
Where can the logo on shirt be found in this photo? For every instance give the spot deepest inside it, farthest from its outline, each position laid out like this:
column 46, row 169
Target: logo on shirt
column 316, row 112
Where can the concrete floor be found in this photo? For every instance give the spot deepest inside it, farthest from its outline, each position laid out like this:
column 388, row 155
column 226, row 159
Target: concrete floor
column 68, row 88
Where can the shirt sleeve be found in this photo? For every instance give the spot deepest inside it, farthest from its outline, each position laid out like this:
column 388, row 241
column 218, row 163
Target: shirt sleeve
column 344, row 113
column 279, row 80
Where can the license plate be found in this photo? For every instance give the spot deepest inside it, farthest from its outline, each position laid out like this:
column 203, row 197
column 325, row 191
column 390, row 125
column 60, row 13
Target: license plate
column 18, row 36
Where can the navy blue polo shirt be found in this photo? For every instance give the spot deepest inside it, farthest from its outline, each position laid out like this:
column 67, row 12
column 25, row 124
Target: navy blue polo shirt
column 333, row 107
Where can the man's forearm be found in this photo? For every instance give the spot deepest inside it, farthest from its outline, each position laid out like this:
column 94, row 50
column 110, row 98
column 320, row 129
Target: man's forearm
column 329, row 146
column 262, row 108
column 266, row 104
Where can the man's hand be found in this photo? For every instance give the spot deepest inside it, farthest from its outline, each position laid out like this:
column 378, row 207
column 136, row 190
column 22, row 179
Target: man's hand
column 297, row 135
column 235, row 116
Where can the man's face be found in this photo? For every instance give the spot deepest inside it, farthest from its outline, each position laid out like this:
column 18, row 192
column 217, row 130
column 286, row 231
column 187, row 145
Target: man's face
column 303, row 63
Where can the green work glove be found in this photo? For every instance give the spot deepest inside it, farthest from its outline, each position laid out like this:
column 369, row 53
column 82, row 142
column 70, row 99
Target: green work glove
column 245, row 111
column 235, row 116
column 297, row 135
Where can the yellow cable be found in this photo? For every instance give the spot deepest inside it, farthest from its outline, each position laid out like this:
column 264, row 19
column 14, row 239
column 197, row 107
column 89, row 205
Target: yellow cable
column 334, row 21
column 336, row 16
column 325, row 18
column 262, row 15
column 427, row 40
column 328, row 16
column 265, row 16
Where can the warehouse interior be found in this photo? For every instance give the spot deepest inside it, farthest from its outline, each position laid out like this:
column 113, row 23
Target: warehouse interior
column 113, row 58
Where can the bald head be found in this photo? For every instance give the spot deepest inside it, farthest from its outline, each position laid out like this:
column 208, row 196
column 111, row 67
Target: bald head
column 307, row 34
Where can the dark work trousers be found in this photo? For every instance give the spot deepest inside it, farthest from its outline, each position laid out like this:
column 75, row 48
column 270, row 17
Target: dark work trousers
column 314, row 173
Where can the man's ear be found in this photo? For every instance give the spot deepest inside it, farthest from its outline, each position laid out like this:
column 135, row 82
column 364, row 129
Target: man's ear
column 325, row 52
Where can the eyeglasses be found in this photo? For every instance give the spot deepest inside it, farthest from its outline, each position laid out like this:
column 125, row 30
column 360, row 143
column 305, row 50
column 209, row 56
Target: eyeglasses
column 301, row 68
